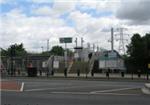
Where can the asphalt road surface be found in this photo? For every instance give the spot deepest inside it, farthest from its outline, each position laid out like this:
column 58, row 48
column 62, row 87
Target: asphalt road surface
column 76, row 92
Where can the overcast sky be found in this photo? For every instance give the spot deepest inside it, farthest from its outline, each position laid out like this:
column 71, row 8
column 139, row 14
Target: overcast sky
column 32, row 22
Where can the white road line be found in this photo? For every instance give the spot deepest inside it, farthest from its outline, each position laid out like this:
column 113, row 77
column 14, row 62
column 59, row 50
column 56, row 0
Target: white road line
column 22, row 86
column 67, row 87
column 39, row 89
column 112, row 90
column 118, row 94
column 87, row 93
column 80, row 93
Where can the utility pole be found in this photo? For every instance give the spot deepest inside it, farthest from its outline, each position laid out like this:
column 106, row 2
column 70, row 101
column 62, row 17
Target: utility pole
column 88, row 46
column 47, row 45
column 112, row 39
column 93, row 47
column 66, row 55
column 82, row 41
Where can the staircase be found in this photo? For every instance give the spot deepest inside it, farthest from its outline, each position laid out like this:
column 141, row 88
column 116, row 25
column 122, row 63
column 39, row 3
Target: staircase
column 146, row 88
column 70, row 66
column 79, row 65
column 91, row 63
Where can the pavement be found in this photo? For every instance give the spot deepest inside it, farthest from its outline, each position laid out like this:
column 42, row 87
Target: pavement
column 9, row 85
column 101, row 75
column 59, row 91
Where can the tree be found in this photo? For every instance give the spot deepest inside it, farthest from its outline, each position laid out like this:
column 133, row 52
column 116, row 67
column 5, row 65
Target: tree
column 138, row 52
column 57, row 50
column 15, row 50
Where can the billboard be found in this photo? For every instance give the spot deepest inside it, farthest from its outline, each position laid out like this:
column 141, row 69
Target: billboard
column 65, row 40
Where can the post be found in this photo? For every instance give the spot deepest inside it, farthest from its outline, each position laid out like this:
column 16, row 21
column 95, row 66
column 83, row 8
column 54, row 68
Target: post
column 65, row 55
column 93, row 47
column 65, row 71
column 76, row 41
column 132, row 75
column 112, row 39
column 82, row 41
column 86, row 71
column 47, row 45
column 147, row 76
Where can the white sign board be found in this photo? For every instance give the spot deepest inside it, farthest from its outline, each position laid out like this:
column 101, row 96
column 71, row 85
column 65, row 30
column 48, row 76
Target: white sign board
column 102, row 64
column 56, row 64
column 112, row 63
column 44, row 64
column 76, row 55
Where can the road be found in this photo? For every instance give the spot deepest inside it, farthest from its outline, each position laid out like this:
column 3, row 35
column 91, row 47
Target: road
column 76, row 92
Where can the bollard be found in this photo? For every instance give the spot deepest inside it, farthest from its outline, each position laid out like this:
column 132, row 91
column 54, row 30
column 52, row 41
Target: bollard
column 107, row 75
column 86, row 70
column 40, row 72
column 139, row 75
column 92, row 73
column 65, row 72
column 52, row 72
column 78, row 72
column 122, row 74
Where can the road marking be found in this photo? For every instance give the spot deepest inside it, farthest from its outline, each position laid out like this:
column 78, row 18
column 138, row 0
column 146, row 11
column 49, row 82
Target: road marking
column 113, row 90
column 22, row 87
column 69, row 87
column 39, row 89
column 118, row 94
column 87, row 93
column 80, row 93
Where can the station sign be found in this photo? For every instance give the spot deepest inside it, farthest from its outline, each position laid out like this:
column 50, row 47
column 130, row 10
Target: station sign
column 65, row 40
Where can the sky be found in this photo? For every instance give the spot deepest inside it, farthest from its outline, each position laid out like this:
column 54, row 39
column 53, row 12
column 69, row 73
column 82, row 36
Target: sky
column 33, row 22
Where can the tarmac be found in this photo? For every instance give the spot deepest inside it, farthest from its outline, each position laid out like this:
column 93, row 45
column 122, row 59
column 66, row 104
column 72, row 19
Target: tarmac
column 75, row 91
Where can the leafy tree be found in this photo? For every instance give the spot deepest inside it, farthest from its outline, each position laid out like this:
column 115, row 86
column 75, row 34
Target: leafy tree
column 14, row 50
column 57, row 50
column 138, row 52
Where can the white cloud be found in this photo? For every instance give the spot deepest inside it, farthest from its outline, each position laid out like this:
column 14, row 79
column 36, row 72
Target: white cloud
column 100, row 5
column 41, row 1
column 33, row 31
column 56, row 10
column 63, row 6
column 91, row 28
column 45, row 10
